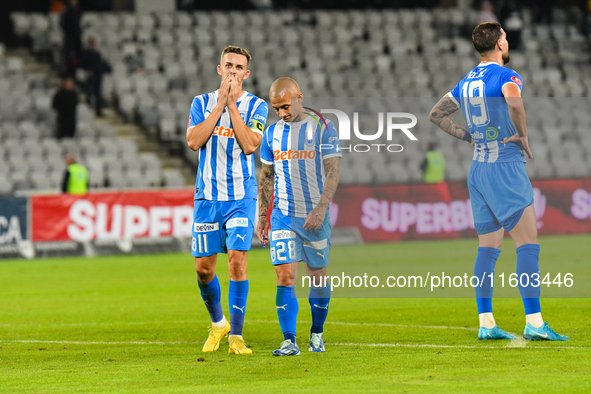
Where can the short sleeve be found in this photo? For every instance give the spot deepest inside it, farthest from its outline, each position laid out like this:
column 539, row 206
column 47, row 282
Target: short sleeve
column 258, row 118
column 330, row 146
column 454, row 94
column 511, row 77
column 266, row 149
column 196, row 115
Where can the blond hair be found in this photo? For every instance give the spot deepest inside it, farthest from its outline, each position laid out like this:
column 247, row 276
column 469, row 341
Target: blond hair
column 238, row 50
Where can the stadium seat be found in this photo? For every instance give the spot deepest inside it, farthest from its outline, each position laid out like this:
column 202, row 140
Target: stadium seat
column 136, row 179
column 332, row 61
column 117, row 181
column 173, row 178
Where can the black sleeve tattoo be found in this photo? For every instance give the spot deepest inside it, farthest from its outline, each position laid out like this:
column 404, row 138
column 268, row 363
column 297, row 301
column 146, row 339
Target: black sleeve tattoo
column 441, row 116
column 266, row 185
column 331, row 169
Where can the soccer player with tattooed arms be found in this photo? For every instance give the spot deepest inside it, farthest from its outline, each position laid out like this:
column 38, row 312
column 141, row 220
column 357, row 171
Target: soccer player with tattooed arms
column 501, row 193
column 300, row 156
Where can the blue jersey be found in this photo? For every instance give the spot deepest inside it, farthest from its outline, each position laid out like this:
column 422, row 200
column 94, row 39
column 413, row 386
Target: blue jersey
column 480, row 95
column 297, row 150
column 225, row 173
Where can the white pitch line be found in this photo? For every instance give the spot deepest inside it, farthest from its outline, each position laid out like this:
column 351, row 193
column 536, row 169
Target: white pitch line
column 400, row 325
column 429, row 345
column 159, row 343
column 340, row 323
column 162, row 343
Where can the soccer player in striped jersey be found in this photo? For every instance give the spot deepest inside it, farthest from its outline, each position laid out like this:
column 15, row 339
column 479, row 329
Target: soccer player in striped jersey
column 226, row 127
column 500, row 191
column 300, row 156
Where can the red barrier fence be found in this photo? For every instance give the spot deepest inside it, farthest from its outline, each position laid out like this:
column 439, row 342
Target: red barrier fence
column 386, row 213
column 120, row 215
column 392, row 213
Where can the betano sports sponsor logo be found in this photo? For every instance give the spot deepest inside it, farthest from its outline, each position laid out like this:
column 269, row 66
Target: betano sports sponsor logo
column 223, row 131
column 294, row 154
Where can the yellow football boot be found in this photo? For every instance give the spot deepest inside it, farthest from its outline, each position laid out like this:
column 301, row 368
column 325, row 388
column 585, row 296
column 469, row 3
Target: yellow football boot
column 237, row 346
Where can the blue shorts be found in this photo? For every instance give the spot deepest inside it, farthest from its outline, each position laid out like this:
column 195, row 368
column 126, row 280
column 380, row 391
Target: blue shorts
column 219, row 226
column 499, row 192
column 290, row 243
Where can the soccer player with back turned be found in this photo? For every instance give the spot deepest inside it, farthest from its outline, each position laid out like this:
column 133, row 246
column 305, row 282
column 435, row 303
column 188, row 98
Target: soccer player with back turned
column 500, row 191
column 226, row 127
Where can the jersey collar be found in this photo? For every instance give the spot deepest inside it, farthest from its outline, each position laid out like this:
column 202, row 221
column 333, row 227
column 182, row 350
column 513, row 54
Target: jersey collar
column 483, row 64
column 299, row 123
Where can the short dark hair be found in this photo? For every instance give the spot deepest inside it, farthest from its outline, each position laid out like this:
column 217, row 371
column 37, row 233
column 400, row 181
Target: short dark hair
column 486, row 35
column 238, row 50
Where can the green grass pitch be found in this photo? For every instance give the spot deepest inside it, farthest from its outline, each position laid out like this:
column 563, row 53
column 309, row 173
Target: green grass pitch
column 128, row 324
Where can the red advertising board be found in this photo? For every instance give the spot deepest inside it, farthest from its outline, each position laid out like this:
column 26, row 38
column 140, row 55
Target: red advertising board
column 386, row 213
column 120, row 215
column 391, row 213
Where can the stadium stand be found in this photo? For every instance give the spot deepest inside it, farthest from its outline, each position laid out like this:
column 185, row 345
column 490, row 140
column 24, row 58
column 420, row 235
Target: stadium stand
column 32, row 159
column 162, row 61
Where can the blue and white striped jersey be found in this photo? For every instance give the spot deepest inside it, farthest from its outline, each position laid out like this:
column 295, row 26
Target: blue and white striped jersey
column 297, row 150
column 225, row 173
column 480, row 95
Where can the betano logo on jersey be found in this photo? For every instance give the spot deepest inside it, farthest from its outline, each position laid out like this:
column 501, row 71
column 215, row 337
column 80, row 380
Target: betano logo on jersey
column 218, row 130
column 294, row 154
column 223, row 131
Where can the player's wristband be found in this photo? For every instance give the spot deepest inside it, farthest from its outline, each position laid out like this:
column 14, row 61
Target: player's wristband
column 467, row 137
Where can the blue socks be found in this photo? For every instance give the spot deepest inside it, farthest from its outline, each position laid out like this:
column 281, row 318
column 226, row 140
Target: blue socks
column 237, row 301
column 287, row 311
column 527, row 263
column 319, row 298
column 211, row 294
column 528, row 256
column 485, row 265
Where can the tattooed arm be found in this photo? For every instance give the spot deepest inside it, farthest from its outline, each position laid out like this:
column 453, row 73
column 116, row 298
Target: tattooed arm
column 441, row 116
column 266, row 183
column 316, row 216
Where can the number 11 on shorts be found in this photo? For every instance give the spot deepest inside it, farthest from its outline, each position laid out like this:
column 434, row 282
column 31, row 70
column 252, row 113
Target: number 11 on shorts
column 202, row 243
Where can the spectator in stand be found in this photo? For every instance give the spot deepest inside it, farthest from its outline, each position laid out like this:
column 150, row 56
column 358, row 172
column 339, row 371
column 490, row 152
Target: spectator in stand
column 75, row 177
column 486, row 13
column 512, row 22
column 64, row 103
column 433, row 166
column 543, row 11
column 95, row 67
column 70, row 23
